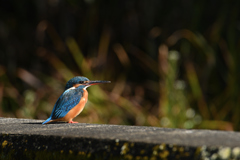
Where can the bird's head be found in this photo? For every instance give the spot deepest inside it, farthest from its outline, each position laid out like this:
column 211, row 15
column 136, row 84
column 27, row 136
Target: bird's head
column 82, row 81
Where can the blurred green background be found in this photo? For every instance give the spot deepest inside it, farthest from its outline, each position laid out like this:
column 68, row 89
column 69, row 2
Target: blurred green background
column 171, row 63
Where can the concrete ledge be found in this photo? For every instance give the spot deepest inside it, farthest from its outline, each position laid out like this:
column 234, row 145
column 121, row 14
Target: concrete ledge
column 29, row 139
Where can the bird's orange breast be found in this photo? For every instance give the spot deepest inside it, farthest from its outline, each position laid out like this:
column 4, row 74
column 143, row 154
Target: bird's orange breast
column 77, row 109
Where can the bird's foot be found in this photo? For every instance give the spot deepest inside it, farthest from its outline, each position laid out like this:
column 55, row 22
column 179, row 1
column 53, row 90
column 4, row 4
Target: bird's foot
column 72, row 122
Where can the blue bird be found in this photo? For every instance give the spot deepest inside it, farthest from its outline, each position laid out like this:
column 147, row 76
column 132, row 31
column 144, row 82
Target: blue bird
column 72, row 101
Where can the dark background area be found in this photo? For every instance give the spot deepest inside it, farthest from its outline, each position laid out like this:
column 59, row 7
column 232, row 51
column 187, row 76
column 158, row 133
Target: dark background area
column 171, row 63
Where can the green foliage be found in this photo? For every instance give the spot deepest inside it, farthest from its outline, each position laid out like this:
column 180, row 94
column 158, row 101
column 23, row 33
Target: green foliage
column 170, row 65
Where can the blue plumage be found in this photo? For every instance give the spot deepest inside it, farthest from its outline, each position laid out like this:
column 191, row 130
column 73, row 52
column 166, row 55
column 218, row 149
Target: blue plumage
column 75, row 80
column 49, row 119
column 74, row 91
column 69, row 99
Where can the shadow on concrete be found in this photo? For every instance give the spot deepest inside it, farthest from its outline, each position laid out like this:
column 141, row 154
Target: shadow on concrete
column 44, row 124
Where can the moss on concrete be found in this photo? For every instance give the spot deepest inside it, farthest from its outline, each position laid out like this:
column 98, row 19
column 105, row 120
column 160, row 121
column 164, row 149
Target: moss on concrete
column 56, row 147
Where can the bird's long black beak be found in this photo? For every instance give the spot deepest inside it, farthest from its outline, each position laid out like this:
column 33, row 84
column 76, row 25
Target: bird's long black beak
column 96, row 82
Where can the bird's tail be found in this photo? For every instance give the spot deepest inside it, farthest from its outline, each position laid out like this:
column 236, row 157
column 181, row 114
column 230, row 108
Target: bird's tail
column 48, row 120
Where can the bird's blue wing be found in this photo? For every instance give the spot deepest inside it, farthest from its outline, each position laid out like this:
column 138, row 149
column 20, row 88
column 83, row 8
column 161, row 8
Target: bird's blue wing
column 69, row 99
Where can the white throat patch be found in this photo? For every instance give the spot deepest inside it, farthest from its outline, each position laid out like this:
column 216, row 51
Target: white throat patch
column 85, row 87
column 75, row 88
column 72, row 88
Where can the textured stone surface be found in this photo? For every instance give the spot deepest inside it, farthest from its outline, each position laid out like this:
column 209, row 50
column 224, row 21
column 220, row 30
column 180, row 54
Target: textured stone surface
column 26, row 137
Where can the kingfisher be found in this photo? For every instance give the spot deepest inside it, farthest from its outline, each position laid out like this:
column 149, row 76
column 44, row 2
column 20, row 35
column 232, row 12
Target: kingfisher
column 71, row 103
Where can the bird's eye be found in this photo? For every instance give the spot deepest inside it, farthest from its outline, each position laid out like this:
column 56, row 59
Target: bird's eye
column 81, row 82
